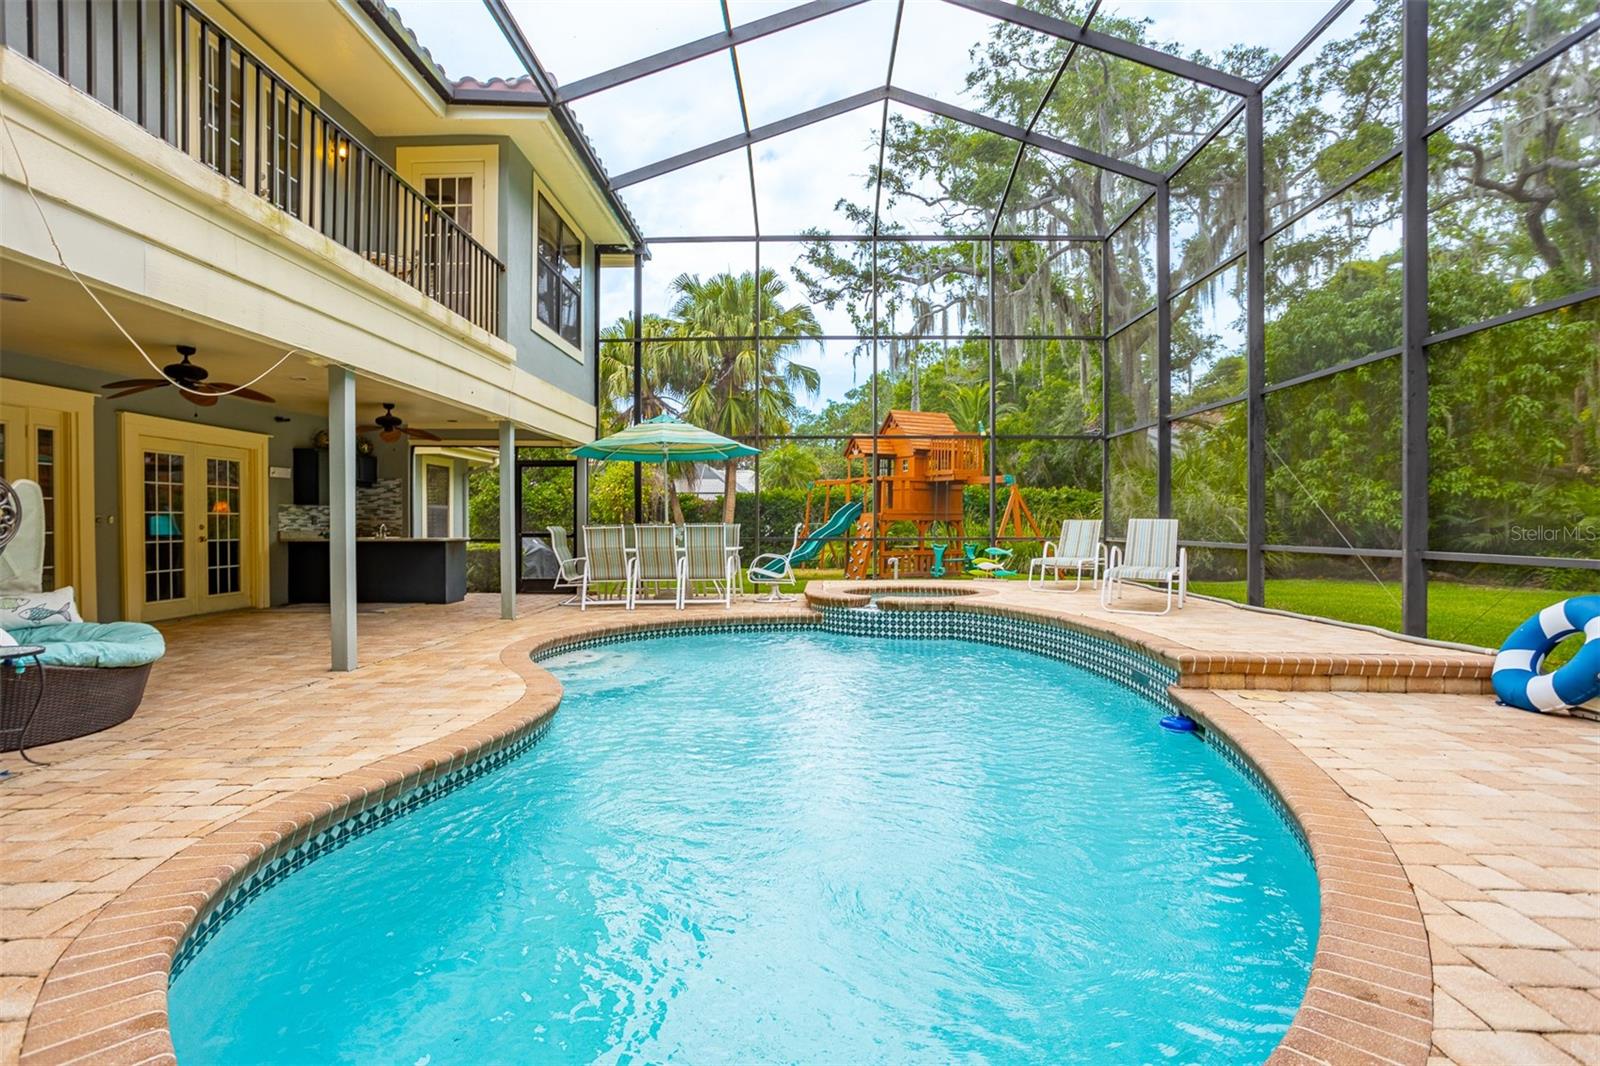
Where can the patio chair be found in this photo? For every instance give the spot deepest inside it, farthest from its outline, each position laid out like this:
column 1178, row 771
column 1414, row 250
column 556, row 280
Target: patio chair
column 656, row 561
column 1150, row 554
column 606, row 562
column 569, row 567
column 707, row 560
column 1078, row 546
column 775, row 569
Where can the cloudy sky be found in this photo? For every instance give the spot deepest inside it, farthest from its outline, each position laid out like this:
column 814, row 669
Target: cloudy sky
column 800, row 176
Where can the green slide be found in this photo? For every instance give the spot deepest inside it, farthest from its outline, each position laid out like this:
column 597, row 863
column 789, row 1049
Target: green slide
column 775, row 569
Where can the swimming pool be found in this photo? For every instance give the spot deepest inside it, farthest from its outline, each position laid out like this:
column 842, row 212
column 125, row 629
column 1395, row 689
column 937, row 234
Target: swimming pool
column 791, row 846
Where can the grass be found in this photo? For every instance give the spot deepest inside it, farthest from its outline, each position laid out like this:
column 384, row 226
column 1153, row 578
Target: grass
column 1482, row 615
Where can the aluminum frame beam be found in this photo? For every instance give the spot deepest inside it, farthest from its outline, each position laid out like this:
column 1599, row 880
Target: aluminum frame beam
column 1414, row 318
column 708, row 45
column 866, row 98
column 1105, row 42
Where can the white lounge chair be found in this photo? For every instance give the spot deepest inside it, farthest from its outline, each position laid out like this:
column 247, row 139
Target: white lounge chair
column 1151, row 553
column 657, row 562
column 569, row 567
column 606, row 562
column 708, row 561
column 1078, row 546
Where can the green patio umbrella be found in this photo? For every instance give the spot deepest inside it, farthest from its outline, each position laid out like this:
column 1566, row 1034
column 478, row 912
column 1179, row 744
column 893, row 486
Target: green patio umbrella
column 665, row 439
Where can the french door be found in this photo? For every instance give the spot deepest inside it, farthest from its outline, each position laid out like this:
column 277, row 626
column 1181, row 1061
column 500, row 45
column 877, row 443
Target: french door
column 46, row 436
column 194, row 521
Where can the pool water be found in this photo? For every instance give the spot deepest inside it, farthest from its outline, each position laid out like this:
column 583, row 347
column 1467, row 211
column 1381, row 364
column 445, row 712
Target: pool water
column 791, row 847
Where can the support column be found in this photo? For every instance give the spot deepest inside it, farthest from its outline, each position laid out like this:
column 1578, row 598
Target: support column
column 1414, row 318
column 342, row 515
column 1255, row 267
column 1163, row 350
column 509, row 500
column 1105, row 388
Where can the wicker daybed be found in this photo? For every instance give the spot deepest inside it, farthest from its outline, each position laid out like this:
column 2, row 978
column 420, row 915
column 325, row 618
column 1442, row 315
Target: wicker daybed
column 94, row 676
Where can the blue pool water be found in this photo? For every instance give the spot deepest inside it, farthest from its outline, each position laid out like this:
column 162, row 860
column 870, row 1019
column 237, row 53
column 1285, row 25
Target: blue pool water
column 791, row 847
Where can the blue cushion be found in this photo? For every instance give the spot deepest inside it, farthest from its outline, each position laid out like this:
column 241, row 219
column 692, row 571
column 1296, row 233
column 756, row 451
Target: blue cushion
column 105, row 644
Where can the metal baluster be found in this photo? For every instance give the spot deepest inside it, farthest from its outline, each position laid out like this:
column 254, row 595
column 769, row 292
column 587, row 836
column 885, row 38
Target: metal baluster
column 91, row 75
column 138, row 64
column 116, row 57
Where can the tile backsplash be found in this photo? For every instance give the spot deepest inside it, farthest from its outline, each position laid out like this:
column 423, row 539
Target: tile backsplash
column 382, row 503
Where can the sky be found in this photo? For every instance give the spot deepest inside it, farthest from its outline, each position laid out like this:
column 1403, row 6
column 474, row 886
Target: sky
column 801, row 175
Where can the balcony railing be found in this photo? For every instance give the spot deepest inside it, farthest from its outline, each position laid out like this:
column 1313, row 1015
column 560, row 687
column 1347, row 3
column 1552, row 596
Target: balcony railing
column 167, row 67
column 951, row 459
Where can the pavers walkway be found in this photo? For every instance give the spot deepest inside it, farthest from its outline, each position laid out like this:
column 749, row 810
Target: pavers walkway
column 1494, row 814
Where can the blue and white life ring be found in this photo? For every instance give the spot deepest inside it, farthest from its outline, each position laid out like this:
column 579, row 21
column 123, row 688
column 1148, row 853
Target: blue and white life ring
column 1517, row 679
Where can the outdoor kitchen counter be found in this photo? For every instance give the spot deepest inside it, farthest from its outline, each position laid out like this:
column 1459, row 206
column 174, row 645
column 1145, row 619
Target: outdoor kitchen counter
column 388, row 569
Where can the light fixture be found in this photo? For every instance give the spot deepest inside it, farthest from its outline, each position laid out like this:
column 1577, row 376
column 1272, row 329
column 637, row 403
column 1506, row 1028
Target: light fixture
column 344, row 149
column 13, row 298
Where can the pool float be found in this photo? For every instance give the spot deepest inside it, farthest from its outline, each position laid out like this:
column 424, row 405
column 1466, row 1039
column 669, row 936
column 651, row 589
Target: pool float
column 1517, row 680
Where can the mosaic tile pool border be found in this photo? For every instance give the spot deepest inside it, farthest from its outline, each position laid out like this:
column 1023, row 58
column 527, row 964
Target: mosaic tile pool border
column 338, row 835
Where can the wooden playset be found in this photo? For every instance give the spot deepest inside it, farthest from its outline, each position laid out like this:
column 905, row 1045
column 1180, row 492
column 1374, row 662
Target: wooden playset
column 924, row 465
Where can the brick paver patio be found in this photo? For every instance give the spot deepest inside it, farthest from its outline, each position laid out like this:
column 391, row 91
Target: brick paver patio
column 1494, row 815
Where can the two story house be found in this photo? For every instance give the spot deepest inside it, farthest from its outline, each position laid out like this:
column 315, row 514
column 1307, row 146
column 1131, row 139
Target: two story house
column 236, row 232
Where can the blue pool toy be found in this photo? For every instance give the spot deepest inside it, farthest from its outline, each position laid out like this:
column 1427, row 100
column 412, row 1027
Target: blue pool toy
column 1179, row 723
column 1517, row 680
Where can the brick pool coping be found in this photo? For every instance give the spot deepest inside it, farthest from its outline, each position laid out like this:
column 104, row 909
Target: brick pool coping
column 1425, row 669
column 1369, row 996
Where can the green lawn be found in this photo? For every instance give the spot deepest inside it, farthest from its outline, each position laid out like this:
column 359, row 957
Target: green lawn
column 1483, row 615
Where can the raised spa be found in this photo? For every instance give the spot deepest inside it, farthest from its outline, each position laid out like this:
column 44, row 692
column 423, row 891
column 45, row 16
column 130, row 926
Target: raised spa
column 791, row 846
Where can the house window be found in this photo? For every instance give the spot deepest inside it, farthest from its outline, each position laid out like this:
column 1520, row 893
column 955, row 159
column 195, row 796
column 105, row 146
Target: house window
column 559, row 296
column 436, row 500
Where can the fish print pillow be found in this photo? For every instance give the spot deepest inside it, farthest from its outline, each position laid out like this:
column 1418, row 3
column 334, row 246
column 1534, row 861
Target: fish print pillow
column 18, row 610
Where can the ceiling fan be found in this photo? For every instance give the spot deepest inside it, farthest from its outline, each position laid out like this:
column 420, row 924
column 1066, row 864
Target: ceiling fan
column 390, row 427
column 193, row 379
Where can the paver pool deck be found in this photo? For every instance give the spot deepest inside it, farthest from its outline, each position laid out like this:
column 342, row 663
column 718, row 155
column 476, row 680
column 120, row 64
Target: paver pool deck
column 1457, row 842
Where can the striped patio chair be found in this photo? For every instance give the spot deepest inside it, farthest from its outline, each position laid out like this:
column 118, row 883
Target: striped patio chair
column 707, row 563
column 606, row 562
column 1151, row 553
column 569, row 567
column 1078, row 546
column 656, row 561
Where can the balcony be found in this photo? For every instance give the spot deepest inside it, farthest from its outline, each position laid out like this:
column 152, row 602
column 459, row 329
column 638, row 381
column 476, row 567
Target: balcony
column 956, row 460
column 165, row 66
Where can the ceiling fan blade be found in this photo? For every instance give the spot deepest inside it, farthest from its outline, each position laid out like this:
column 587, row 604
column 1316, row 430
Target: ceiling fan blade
column 389, row 436
column 199, row 400
column 131, row 382
column 421, row 434
column 234, row 390
column 145, row 387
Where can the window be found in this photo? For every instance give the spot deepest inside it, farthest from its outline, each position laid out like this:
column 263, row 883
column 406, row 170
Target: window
column 558, row 299
column 453, row 196
column 436, row 500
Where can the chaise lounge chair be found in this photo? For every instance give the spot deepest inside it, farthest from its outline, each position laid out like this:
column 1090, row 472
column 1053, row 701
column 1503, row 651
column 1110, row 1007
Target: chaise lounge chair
column 1078, row 546
column 1150, row 554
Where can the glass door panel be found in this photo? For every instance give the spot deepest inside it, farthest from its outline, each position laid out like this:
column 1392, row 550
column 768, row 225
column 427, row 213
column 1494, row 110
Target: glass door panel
column 165, row 572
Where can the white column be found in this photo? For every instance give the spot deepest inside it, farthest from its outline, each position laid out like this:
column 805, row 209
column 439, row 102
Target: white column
column 510, row 556
column 342, row 515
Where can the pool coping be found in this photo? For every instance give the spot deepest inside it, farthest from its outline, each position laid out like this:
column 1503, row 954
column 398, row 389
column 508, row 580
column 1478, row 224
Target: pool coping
column 1418, row 671
column 1368, row 997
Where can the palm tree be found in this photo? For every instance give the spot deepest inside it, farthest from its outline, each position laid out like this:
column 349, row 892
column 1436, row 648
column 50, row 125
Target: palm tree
column 790, row 466
column 721, row 368
column 969, row 407
column 660, row 377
